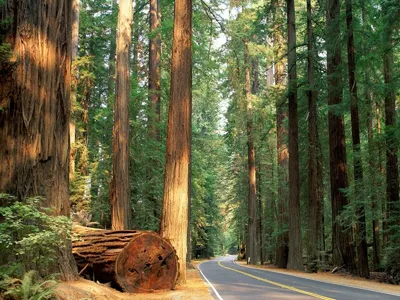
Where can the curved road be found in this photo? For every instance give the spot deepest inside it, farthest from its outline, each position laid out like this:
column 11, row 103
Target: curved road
column 231, row 281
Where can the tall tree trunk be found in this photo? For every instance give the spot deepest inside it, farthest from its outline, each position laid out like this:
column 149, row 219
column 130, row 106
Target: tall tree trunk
column 361, row 228
column 154, row 90
column 281, row 131
column 74, row 54
column 111, row 59
column 251, row 249
column 314, row 202
column 295, row 259
column 260, row 215
column 343, row 252
column 392, row 172
column 35, row 109
column 174, row 220
column 154, row 70
column 255, row 89
column 371, row 158
column 121, row 217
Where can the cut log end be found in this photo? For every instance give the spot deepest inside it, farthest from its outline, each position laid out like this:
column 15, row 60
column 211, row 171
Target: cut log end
column 136, row 261
column 146, row 263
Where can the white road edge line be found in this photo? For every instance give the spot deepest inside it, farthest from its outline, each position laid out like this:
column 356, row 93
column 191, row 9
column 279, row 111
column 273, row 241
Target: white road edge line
column 209, row 283
column 340, row 284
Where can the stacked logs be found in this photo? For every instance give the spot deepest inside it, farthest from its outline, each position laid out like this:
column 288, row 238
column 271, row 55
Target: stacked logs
column 135, row 261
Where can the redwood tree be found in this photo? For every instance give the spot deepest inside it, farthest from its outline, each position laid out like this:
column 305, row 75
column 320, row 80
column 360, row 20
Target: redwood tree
column 174, row 220
column 120, row 189
column 343, row 252
column 314, row 159
column 361, row 230
column 281, row 132
column 295, row 259
column 154, row 69
column 251, row 251
column 35, row 86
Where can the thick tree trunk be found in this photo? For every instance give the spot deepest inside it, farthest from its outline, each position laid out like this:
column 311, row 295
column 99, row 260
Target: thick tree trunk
column 314, row 202
column 154, row 91
column 35, row 108
column 281, row 131
column 360, row 228
column 174, row 220
column 120, row 188
column 251, row 247
column 135, row 261
column 295, row 259
column 343, row 252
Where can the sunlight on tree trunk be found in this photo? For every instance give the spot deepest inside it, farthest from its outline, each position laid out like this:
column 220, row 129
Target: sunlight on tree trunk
column 174, row 220
column 120, row 188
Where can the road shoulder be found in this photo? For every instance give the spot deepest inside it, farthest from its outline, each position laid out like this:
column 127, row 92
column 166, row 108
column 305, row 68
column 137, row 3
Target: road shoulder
column 345, row 280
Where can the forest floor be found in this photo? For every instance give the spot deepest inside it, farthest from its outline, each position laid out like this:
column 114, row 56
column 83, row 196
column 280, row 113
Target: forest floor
column 194, row 289
column 338, row 278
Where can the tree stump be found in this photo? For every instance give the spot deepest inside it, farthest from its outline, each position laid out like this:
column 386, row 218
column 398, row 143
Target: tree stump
column 135, row 261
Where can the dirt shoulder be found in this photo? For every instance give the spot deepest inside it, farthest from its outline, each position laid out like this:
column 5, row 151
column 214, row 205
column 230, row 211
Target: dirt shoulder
column 343, row 279
column 194, row 289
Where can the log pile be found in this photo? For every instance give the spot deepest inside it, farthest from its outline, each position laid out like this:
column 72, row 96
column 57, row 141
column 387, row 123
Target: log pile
column 135, row 261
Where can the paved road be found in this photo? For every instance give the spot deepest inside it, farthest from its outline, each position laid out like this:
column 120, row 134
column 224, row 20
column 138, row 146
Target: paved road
column 231, row 281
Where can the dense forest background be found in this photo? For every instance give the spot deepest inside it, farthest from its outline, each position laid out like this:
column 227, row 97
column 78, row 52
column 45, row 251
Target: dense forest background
column 294, row 134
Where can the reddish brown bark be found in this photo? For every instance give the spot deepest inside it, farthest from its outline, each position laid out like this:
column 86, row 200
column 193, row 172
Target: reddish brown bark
column 360, row 228
column 154, row 70
column 295, row 259
column 174, row 219
column 392, row 172
column 314, row 159
column 281, row 131
column 120, row 188
column 136, row 261
column 35, row 107
column 251, row 249
column 343, row 252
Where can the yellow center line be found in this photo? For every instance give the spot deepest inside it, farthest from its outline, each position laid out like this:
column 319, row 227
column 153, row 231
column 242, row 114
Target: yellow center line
column 277, row 284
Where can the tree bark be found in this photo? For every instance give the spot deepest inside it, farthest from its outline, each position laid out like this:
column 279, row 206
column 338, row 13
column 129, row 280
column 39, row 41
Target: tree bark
column 154, row 70
column 154, row 91
column 281, row 131
column 174, row 220
column 360, row 228
column 343, row 252
column 111, row 59
column 74, row 46
column 120, row 188
column 392, row 172
column 295, row 259
column 251, row 248
column 314, row 202
column 371, row 156
column 136, row 261
column 35, row 108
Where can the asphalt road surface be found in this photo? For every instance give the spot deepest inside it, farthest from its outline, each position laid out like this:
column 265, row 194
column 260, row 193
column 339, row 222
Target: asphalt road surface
column 227, row 280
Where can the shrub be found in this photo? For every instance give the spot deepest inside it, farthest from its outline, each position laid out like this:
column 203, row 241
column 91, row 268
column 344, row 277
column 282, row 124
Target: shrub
column 30, row 237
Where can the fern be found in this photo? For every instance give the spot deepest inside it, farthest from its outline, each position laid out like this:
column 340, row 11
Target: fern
column 30, row 287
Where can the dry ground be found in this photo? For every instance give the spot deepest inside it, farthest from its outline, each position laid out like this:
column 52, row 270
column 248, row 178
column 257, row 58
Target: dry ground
column 194, row 289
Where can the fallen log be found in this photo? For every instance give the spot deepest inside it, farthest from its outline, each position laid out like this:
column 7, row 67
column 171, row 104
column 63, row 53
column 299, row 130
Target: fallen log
column 135, row 261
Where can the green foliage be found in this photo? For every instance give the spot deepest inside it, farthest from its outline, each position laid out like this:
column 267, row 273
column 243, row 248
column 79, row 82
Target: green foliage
column 30, row 287
column 30, row 236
